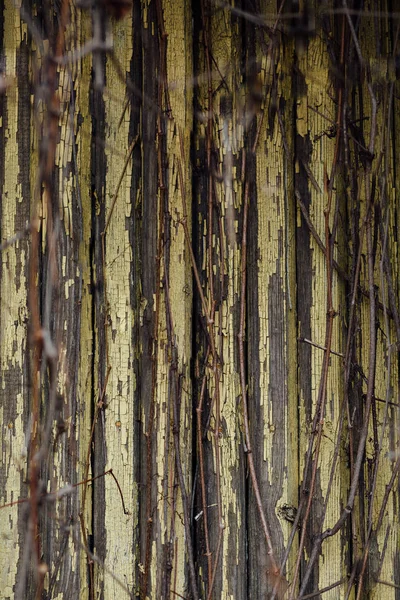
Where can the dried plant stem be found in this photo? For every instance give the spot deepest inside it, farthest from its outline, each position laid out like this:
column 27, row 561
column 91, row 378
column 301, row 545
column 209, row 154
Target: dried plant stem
column 42, row 347
column 199, row 411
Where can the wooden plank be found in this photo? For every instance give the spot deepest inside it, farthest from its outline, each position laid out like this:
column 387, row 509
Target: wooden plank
column 14, row 268
column 271, row 296
column 320, row 299
column 217, row 222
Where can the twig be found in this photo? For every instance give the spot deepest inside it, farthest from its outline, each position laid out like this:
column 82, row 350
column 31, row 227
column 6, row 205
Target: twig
column 114, row 199
column 306, row 341
column 396, row 586
column 50, row 496
column 126, row 512
column 18, row 236
column 49, row 144
column 323, row 590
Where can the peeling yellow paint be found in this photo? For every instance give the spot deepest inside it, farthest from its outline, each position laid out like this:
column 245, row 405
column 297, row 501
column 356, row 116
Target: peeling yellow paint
column 120, row 557
column 85, row 376
column 228, row 142
column 314, row 64
column 12, row 308
column 385, row 545
column 276, row 263
column 276, row 217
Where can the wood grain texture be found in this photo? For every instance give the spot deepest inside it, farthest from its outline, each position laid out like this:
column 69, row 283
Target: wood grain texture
column 218, row 208
column 271, row 298
column 316, row 110
column 185, row 116
column 14, row 364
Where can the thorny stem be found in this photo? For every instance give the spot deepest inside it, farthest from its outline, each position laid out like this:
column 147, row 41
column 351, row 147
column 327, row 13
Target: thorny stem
column 47, row 163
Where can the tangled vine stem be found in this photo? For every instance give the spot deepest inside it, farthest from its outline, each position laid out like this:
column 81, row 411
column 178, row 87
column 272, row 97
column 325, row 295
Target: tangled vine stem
column 40, row 337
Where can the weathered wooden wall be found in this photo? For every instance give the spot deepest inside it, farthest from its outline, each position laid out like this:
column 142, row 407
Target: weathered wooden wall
column 199, row 326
